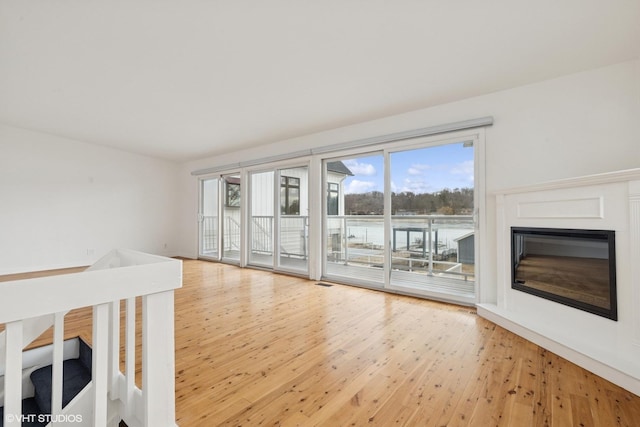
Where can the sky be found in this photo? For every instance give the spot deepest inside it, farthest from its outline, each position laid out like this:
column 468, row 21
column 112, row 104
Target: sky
column 424, row 170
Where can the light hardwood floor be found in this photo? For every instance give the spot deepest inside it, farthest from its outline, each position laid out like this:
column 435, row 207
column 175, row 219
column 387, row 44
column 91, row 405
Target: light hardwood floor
column 256, row 348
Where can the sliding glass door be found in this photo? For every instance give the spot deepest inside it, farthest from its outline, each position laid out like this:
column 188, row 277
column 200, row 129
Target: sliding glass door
column 278, row 216
column 219, row 219
column 399, row 218
column 231, row 218
column 354, row 221
column 432, row 227
column 293, row 219
column 261, row 219
column 209, row 218
column 410, row 229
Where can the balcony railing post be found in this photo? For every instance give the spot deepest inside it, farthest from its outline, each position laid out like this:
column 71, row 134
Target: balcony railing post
column 429, row 225
column 345, row 238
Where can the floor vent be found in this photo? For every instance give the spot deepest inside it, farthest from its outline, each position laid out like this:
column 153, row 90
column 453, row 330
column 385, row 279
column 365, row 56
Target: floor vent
column 326, row 285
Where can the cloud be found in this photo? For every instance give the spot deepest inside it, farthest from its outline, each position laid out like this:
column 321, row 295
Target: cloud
column 416, row 186
column 417, row 169
column 357, row 168
column 357, row 186
column 464, row 169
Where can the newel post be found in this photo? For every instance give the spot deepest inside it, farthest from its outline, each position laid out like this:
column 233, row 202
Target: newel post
column 158, row 360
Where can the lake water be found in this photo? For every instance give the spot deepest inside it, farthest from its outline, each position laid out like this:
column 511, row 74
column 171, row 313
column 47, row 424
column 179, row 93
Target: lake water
column 372, row 232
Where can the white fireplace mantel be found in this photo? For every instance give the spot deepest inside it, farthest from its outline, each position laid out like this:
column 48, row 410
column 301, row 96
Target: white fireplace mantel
column 609, row 201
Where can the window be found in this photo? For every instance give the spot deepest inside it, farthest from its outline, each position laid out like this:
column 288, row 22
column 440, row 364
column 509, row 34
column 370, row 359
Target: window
column 332, row 198
column 405, row 218
column 289, row 195
column 232, row 192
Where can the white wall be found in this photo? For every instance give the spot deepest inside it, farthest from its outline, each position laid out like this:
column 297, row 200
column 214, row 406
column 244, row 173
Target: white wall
column 575, row 125
column 66, row 203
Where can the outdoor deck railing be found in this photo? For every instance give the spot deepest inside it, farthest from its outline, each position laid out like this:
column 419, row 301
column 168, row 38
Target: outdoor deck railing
column 424, row 243
column 293, row 235
column 421, row 243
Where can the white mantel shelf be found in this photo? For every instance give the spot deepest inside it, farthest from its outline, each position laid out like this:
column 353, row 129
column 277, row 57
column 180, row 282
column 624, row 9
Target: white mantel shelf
column 582, row 181
column 608, row 201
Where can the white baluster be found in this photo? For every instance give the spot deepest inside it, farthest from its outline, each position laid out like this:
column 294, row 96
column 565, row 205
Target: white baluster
column 56, row 369
column 114, row 349
column 158, row 359
column 130, row 356
column 13, row 375
column 100, row 364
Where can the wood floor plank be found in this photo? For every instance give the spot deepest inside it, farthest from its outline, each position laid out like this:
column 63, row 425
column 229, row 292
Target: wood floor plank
column 542, row 412
column 561, row 411
column 257, row 348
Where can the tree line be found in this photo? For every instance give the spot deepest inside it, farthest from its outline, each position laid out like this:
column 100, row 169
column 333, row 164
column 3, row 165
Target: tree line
column 458, row 201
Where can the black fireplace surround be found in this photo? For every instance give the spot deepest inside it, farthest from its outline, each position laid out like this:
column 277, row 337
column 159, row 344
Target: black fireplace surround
column 569, row 266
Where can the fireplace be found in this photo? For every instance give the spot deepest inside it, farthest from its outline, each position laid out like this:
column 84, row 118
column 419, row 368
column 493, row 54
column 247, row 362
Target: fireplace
column 572, row 267
column 569, row 213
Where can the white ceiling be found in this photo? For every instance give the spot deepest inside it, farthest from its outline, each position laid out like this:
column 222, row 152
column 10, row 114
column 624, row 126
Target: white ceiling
column 185, row 79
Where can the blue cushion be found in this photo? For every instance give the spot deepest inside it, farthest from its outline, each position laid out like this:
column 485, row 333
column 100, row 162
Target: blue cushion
column 75, row 377
column 29, row 407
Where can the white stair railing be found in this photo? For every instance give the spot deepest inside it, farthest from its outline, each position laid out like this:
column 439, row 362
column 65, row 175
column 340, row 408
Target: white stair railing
column 111, row 395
